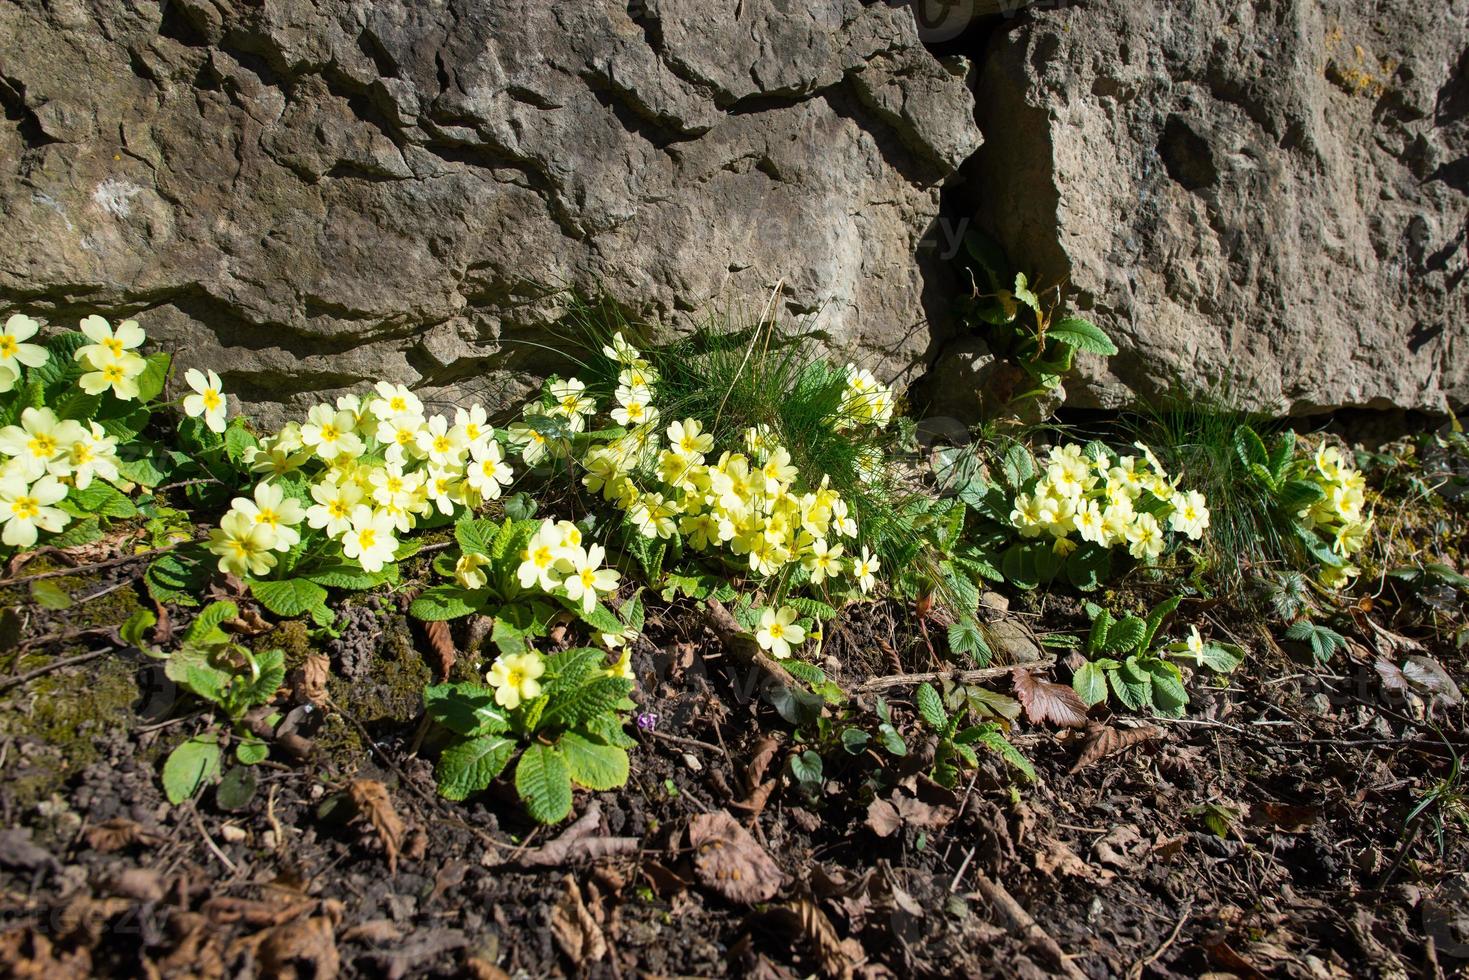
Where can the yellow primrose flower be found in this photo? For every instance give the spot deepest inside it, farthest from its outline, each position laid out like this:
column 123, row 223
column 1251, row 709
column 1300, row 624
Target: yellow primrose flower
column 273, row 509
column 393, row 400
column 208, row 399
column 823, row 561
column 14, row 352
column 865, row 569
column 532, row 443
column 689, row 440
column 93, row 454
column 120, row 374
column 106, row 344
column 440, row 444
column 26, row 509
column 469, row 571
column 334, row 505
column 370, row 539
column 243, row 546
column 1190, row 516
column 487, row 470
column 778, row 632
column 331, row 433
column 516, row 678
column 544, row 560
column 587, row 579
column 41, row 443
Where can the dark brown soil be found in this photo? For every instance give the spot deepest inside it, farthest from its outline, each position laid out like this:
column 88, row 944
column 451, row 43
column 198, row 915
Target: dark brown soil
column 1267, row 834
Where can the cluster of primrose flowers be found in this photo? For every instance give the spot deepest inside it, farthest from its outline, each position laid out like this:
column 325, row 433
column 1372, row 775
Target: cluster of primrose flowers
column 1338, row 515
column 376, row 466
column 45, row 456
column 747, row 502
column 1108, row 502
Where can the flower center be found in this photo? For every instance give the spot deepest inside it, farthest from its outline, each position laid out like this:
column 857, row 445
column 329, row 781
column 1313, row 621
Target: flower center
column 329, row 433
column 442, row 444
column 367, row 537
column 43, row 446
column 25, row 508
column 211, row 399
column 114, row 346
column 8, row 346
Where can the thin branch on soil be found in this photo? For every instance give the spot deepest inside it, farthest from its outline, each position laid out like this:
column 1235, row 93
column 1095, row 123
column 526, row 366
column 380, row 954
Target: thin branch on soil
column 691, row 742
column 54, row 665
column 63, row 636
column 1020, row 920
column 741, row 647
column 94, row 566
column 1135, row 972
column 957, row 676
column 209, row 841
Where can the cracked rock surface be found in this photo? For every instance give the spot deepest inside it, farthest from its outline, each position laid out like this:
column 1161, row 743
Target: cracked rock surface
column 308, row 195
column 1275, row 192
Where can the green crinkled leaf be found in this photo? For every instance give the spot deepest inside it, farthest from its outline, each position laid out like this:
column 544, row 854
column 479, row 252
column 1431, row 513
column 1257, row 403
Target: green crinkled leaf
column 593, row 763
column 1126, row 635
column 814, row 608
column 470, row 766
column 441, row 602
column 476, row 536
column 1025, row 294
column 177, row 578
column 595, row 697
column 1132, row 685
column 966, row 637
column 1281, row 452
column 101, row 500
column 76, row 533
column 931, row 707
column 191, row 767
column 1222, row 658
column 272, row 667
column 1168, row 695
column 543, row 780
column 608, row 728
column 1090, row 684
column 238, row 441
column 205, row 629
column 351, row 577
column 252, row 751
column 1088, row 567
column 466, row 709
column 77, row 404
column 1155, row 619
column 1081, row 334
column 993, row 739
column 1251, row 450
column 1297, row 495
column 289, row 597
column 155, row 373
column 1096, row 640
column 600, row 618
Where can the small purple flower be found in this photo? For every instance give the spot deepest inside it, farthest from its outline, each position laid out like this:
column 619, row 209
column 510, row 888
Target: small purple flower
column 647, row 720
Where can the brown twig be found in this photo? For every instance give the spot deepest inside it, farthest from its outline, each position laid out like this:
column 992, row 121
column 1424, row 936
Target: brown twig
column 692, row 743
column 957, row 676
column 94, row 566
column 1135, row 971
column 54, row 665
column 1018, row 919
column 739, row 645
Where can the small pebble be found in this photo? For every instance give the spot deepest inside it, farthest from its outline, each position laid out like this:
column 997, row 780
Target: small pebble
column 232, row 834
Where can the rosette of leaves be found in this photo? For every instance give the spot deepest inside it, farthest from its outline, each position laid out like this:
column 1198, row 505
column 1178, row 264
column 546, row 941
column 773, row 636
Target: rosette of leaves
column 571, row 735
column 228, row 675
column 520, row 614
column 1280, row 472
column 1019, row 322
column 1122, row 655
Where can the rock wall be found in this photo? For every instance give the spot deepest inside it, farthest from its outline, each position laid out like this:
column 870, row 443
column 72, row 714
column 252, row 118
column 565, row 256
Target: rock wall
column 306, row 195
column 1270, row 194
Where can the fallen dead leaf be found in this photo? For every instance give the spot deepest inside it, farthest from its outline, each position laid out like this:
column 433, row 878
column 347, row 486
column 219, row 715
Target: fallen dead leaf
column 374, row 805
column 730, row 861
column 139, row 884
column 304, row 948
column 579, row 842
column 1058, row 859
column 838, row 956
column 574, row 928
column 1118, row 847
column 441, row 645
column 1104, row 740
column 883, row 818
column 373, row 931
column 1283, row 816
column 28, row 955
column 249, row 622
column 119, row 832
column 309, row 683
column 1046, row 702
column 1429, row 677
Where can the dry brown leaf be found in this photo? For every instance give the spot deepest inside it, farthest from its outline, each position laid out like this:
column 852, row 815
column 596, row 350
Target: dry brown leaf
column 139, row 884
column 249, row 622
column 765, row 751
column 163, row 625
column 1104, row 740
column 579, row 842
column 373, row 804
column 755, row 803
column 224, row 910
column 441, row 645
column 883, row 818
column 479, row 968
column 1058, row 859
column 1046, row 702
column 1392, row 678
column 730, row 861
column 1283, row 816
column 117, row 833
column 28, row 955
column 838, row 956
column 574, row 928
column 309, row 683
column 373, row 931
column 304, row 948
column 1429, row 677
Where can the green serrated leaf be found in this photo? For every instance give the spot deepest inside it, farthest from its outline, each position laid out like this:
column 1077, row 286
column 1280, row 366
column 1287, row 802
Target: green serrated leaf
column 1132, row 685
column 176, row 577
column 1090, row 684
column 289, row 597
column 1081, row 334
column 1126, row 635
column 470, row 766
column 595, row 697
column 593, row 763
column 476, row 536
column 441, row 602
column 1155, row 619
column 543, row 780
column 465, row 708
column 931, row 707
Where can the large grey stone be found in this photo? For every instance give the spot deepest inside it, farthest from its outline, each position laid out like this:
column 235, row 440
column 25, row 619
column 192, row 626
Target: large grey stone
column 1271, row 192
column 308, row 195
